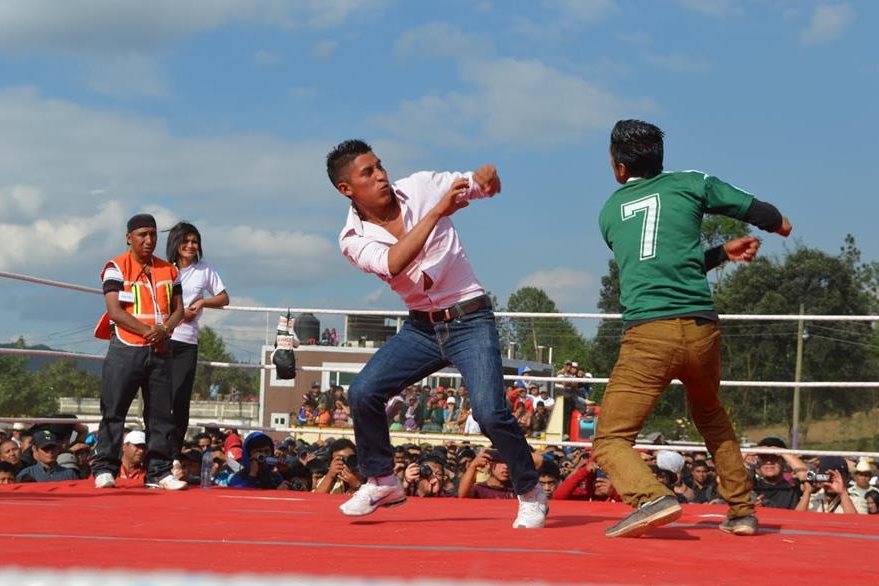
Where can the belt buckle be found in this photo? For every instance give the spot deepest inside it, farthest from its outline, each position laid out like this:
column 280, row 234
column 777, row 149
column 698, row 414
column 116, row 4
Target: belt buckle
column 446, row 315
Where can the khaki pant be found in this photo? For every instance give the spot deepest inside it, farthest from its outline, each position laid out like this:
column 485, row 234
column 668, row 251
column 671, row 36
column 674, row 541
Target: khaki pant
column 651, row 355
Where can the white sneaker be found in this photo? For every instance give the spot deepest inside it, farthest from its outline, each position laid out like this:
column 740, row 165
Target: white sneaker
column 105, row 480
column 532, row 509
column 371, row 496
column 168, row 483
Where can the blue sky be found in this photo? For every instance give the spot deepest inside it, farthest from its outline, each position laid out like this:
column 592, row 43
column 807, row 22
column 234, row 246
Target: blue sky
column 221, row 112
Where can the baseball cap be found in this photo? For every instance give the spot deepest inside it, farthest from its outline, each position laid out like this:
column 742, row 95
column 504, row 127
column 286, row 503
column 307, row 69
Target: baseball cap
column 67, row 460
column 772, row 442
column 671, row 461
column 451, row 400
column 827, row 463
column 44, row 438
column 136, row 437
column 18, row 426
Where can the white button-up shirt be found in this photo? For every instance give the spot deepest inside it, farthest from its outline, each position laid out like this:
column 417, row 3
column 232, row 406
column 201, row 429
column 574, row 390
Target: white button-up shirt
column 442, row 258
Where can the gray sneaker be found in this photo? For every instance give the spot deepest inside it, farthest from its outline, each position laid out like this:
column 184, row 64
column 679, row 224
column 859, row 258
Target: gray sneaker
column 657, row 512
column 740, row 525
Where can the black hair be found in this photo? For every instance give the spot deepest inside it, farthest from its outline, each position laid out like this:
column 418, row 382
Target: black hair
column 637, row 145
column 341, row 156
column 176, row 235
column 549, row 468
column 7, row 467
column 340, row 444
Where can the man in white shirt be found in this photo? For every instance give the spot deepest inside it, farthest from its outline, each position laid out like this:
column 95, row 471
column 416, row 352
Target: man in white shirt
column 403, row 233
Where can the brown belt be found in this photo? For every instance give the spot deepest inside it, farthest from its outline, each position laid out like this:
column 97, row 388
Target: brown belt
column 453, row 312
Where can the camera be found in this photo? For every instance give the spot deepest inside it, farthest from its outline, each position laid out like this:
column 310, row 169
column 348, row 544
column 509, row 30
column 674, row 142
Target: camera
column 816, row 478
column 267, row 460
column 425, row 471
column 351, row 462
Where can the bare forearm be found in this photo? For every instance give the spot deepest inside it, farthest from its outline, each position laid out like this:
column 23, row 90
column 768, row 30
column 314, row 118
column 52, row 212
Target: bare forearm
column 221, row 299
column 409, row 246
column 465, row 487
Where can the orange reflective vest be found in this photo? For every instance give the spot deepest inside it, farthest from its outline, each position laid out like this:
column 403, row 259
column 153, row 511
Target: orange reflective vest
column 146, row 297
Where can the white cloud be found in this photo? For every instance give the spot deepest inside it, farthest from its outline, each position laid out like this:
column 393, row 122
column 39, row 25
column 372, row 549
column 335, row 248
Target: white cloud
column 512, row 101
column 678, row 62
column 126, row 76
column 324, row 49
column 264, row 57
column 828, row 23
column 571, row 290
column 585, row 10
column 94, row 27
column 120, row 43
column 440, row 39
column 96, row 155
column 715, row 8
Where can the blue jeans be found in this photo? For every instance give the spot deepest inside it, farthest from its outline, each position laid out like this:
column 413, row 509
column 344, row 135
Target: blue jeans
column 470, row 343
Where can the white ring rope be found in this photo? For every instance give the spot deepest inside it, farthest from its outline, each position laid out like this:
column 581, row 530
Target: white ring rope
column 515, row 314
column 420, row 438
column 456, row 375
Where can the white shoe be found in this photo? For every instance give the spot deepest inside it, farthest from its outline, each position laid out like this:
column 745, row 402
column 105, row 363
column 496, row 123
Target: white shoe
column 105, row 480
column 371, row 496
column 168, row 483
column 532, row 509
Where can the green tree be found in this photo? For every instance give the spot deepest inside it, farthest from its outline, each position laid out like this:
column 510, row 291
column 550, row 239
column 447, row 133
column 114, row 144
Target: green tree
column 63, row 378
column 19, row 395
column 530, row 333
column 211, row 348
column 834, row 351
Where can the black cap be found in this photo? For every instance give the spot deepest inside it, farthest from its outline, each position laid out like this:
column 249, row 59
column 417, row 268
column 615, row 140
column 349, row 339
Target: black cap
column 44, row 438
column 827, row 463
column 141, row 221
column 772, row 442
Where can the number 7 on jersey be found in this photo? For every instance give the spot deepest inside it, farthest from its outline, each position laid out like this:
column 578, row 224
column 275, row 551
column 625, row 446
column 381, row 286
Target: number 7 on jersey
column 649, row 206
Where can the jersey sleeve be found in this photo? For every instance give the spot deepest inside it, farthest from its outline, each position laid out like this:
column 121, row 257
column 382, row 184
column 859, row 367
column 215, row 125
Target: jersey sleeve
column 725, row 199
column 214, row 283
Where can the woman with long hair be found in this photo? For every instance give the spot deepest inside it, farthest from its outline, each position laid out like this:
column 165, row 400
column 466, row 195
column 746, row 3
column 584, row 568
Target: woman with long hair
column 202, row 287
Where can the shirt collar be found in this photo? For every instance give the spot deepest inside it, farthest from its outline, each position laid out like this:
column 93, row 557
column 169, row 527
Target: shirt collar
column 356, row 222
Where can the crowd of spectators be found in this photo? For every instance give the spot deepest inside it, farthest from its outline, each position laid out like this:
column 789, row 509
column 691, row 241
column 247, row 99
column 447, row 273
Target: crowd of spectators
column 827, row 484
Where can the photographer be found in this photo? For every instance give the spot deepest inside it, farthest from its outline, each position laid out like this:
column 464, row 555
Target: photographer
column 258, row 465
column 826, row 491
column 496, row 486
column 343, row 476
column 426, row 477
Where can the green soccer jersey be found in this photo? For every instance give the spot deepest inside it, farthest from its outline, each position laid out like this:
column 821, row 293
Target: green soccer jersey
column 653, row 227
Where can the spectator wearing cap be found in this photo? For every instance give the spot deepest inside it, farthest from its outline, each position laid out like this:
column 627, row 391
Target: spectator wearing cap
column 10, row 453
column 45, row 452
column 134, row 447
column 257, row 464
column 831, row 496
column 772, row 486
column 496, row 486
column 861, row 486
column 450, row 415
column 668, row 470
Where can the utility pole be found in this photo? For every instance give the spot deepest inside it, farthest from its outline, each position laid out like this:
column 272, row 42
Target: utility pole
column 798, row 371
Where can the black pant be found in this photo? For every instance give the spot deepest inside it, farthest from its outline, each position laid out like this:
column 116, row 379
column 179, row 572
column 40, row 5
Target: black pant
column 184, row 359
column 127, row 369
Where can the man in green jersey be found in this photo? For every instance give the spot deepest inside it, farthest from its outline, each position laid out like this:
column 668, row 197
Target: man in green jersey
column 652, row 223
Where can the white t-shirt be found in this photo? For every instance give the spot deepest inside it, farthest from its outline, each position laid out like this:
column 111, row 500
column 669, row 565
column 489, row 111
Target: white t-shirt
column 198, row 280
